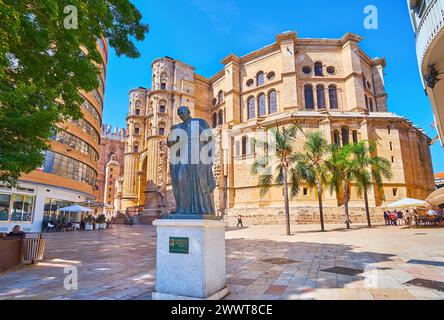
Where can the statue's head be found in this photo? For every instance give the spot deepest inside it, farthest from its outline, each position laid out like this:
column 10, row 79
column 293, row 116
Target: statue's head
column 184, row 113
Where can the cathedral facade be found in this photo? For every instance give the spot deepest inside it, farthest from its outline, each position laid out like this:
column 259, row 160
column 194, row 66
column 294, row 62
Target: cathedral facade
column 328, row 85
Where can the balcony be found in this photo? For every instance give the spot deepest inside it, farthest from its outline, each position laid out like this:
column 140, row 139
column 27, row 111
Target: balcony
column 136, row 113
column 430, row 25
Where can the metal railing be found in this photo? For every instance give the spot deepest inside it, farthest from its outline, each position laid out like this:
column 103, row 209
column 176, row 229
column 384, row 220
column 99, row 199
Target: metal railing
column 432, row 22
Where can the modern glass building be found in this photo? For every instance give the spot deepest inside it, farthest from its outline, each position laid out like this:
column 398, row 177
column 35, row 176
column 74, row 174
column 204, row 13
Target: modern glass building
column 69, row 173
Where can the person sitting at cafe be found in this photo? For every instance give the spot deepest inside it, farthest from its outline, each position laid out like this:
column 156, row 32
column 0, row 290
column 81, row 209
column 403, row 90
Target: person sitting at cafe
column 16, row 233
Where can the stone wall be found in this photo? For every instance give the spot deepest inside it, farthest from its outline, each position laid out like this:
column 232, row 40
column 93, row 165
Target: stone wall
column 302, row 215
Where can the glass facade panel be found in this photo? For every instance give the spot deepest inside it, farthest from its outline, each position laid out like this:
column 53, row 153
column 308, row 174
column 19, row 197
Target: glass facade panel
column 5, row 200
column 69, row 168
column 16, row 208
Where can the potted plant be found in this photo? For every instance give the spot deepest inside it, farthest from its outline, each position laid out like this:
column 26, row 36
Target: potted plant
column 101, row 221
column 89, row 221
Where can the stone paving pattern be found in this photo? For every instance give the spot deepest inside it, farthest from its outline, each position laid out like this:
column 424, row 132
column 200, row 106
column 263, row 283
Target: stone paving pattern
column 262, row 263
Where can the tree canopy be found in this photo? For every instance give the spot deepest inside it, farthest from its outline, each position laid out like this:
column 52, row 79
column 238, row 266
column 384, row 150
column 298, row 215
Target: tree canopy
column 45, row 63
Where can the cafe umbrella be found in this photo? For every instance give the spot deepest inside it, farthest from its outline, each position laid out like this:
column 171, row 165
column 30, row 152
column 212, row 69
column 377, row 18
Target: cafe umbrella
column 408, row 203
column 77, row 209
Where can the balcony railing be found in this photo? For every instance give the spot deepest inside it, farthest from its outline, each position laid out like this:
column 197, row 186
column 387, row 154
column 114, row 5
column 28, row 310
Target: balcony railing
column 431, row 24
column 136, row 113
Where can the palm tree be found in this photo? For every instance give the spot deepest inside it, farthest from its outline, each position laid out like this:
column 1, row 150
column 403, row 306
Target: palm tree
column 367, row 168
column 341, row 174
column 277, row 168
column 311, row 165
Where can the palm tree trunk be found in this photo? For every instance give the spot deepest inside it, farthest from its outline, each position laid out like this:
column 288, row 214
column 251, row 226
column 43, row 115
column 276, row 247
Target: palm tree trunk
column 287, row 203
column 367, row 210
column 321, row 209
column 347, row 216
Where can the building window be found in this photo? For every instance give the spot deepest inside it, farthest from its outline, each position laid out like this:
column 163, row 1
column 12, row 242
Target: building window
column 395, row 192
column 370, row 103
column 306, row 69
column 333, row 96
column 250, row 82
column 260, row 78
column 251, row 111
column 51, row 211
column 272, row 101
column 214, row 120
column 308, row 93
column 389, row 129
column 69, row 168
column 364, row 80
column 391, row 146
column 366, row 101
column 331, row 70
column 214, row 102
column 345, row 136
column 355, row 137
column 336, row 138
column 393, row 159
column 161, row 131
column 163, row 81
column 221, row 117
column 244, row 146
column 162, row 108
column 137, row 129
column 252, row 146
column 76, row 143
column 321, row 96
column 137, row 112
column 271, row 75
column 319, row 69
column 136, row 149
column 221, row 96
column 305, row 192
column 261, row 103
column 16, row 208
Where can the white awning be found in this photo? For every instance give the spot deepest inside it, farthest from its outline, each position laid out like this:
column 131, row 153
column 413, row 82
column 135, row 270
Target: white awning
column 436, row 198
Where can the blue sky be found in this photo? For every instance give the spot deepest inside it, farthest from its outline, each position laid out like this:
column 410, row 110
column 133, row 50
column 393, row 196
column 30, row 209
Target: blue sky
column 203, row 32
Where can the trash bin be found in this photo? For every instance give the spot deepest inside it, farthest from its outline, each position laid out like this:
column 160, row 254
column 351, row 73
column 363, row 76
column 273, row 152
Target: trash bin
column 33, row 248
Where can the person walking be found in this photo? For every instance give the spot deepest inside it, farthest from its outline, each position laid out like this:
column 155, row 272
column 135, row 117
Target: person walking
column 401, row 219
column 240, row 222
column 392, row 218
column 386, row 218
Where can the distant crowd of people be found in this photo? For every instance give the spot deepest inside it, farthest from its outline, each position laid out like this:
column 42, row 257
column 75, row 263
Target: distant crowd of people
column 407, row 218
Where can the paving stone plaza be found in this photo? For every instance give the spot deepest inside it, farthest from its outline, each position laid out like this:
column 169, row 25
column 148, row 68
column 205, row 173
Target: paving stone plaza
column 119, row 264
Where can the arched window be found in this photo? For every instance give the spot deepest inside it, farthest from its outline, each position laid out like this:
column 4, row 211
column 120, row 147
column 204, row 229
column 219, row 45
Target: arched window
column 333, row 96
column 260, row 78
column 308, row 93
column 370, row 103
column 214, row 120
column 336, row 138
column 163, row 81
column 252, row 145
column 161, row 129
column 136, row 147
column 320, row 91
column 244, row 146
column 251, row 111
column 319, row 69
column 272, row 101
column 221, row 117
column 366, row 101
column 261, row 104
column 345, row 136
column 137, row 112
column 364, row 80
column 220, row 96
column 137, row 128
column 355, row 137
column 162, row 106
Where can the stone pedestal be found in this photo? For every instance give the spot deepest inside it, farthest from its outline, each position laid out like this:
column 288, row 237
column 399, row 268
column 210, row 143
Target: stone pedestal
column 190, row 260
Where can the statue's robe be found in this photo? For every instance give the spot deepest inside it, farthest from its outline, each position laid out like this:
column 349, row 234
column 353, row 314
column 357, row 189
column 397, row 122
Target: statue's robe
column 193, row 184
